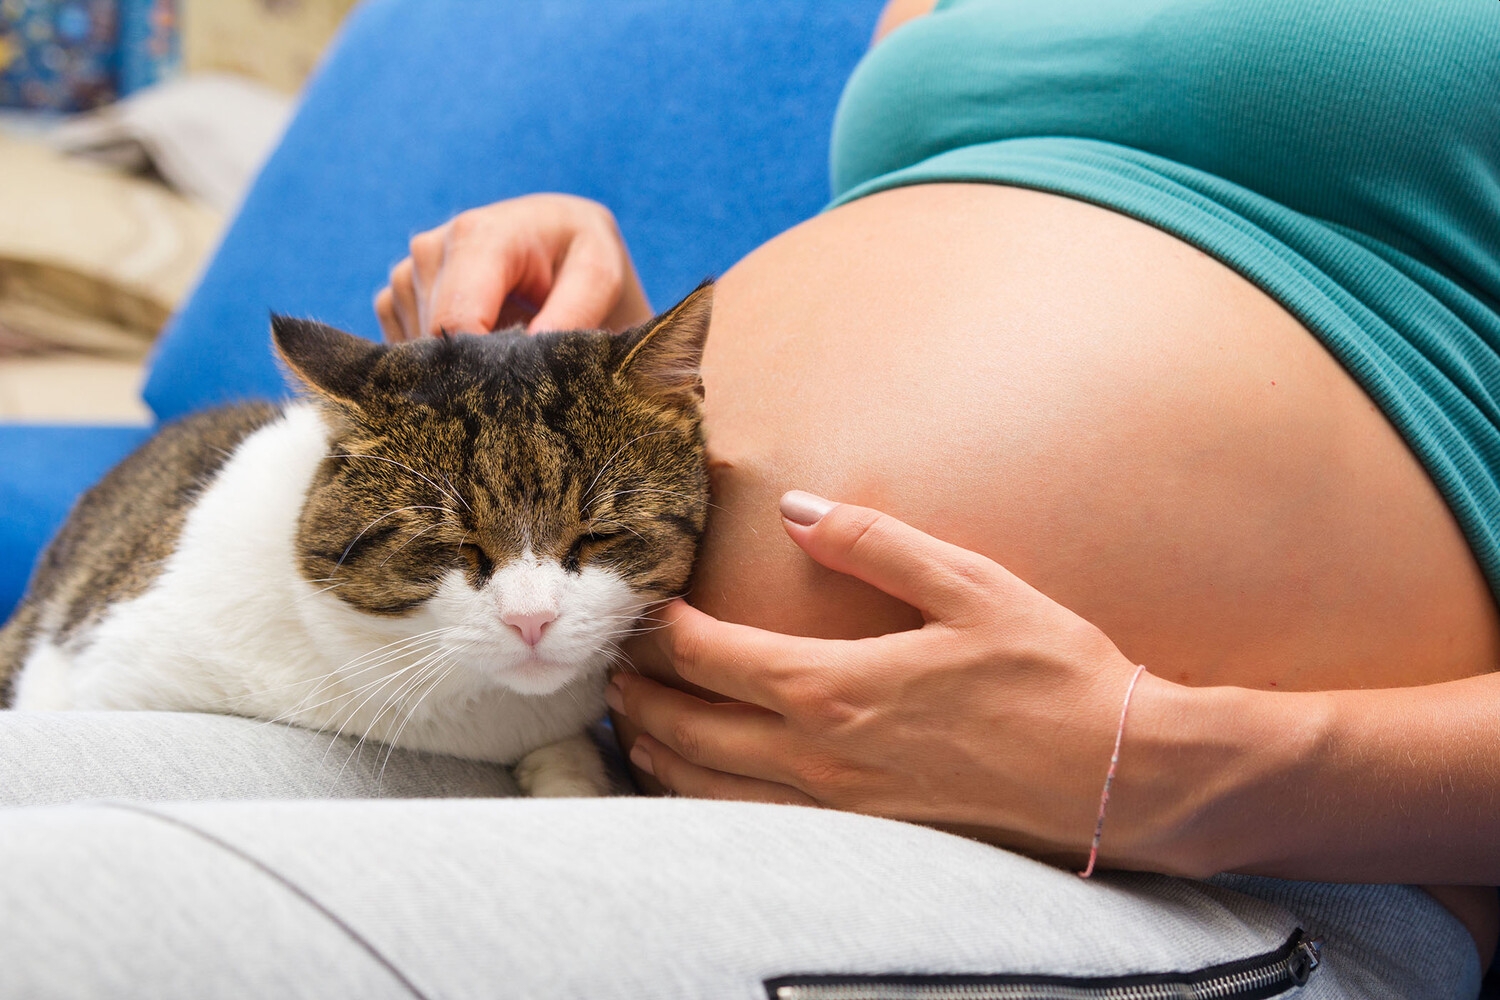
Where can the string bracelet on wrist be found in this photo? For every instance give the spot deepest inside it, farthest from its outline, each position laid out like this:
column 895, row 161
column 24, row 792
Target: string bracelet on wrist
column 1109, row 777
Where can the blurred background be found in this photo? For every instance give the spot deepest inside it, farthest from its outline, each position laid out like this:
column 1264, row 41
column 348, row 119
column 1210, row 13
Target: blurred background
column 129, row 131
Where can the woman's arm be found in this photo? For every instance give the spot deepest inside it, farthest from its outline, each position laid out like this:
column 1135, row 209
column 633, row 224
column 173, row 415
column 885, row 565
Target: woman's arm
column 997, row 717
column 1398, row 785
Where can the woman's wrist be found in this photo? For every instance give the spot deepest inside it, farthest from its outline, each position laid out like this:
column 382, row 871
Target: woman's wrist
column 1213, row 779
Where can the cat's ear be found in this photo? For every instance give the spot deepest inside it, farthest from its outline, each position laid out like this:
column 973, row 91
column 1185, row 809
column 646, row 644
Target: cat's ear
column 334, row 364
column 663, row 355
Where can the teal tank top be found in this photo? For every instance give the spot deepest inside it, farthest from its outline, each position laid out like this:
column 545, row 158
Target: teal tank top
column 1343, row 155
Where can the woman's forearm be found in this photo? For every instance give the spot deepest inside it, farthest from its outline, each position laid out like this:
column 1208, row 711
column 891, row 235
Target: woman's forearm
column 1395, row 785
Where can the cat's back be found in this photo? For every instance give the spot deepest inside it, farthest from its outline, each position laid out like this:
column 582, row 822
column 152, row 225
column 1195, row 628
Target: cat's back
column 121, row 532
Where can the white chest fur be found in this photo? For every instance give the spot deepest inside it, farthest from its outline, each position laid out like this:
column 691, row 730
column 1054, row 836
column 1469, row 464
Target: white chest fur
column 229, row 625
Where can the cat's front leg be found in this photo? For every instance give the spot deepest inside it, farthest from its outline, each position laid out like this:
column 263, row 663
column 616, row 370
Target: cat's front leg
column 569, row 768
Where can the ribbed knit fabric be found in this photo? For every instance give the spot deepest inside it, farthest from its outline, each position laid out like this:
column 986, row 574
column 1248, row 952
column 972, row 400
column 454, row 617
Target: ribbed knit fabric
column 1378, row 940
column 1343, row 155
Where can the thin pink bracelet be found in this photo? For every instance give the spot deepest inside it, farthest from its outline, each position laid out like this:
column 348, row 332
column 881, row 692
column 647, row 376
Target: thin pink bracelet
column 1109, row 778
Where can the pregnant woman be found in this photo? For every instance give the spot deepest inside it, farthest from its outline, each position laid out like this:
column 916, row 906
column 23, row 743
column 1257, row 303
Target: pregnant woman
column 1146, row 306
column 1160, row 333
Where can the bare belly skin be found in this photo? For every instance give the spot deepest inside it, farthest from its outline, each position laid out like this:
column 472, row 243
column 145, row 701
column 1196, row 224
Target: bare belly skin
column 1122, row 421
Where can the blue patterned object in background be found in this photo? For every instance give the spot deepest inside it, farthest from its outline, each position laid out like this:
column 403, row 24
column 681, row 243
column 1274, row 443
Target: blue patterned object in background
column 71, row 55
column 150, row 43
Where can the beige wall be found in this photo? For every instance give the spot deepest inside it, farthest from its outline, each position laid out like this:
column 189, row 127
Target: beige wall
column 275, row 41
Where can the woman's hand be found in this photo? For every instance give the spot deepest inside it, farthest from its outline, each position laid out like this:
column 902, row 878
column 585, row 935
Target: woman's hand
column 996, row 718
column 553, row 259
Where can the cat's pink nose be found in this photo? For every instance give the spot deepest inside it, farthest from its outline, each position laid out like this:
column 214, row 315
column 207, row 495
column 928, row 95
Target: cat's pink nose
column 530, row 625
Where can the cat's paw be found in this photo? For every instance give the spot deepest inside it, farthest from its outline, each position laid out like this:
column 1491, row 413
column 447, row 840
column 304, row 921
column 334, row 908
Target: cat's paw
column 570, row 768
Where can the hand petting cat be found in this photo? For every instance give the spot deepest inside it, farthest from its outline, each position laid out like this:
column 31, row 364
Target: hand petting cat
column 995, row 719
column 548, row 261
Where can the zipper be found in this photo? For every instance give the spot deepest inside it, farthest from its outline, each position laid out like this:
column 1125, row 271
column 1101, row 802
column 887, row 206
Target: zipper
column 1268, row 975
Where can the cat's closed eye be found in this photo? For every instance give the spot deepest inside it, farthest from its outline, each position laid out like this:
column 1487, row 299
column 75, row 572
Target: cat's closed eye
column 589, row 542
column 478, row 560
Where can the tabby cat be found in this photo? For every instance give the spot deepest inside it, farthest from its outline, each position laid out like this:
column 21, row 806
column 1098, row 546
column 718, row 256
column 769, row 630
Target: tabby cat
column 437, row 547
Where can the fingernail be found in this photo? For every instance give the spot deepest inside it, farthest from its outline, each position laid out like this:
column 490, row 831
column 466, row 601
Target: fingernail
column 614, row 697
column 804, row 508
column 641, row 759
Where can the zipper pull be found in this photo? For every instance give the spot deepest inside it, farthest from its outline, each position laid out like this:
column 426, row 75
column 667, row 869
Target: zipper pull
column 1307, row 957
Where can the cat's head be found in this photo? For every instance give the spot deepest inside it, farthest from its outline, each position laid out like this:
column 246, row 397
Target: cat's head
column 521, row 498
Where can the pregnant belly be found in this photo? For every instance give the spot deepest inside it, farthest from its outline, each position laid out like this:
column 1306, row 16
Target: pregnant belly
column 1122, row 421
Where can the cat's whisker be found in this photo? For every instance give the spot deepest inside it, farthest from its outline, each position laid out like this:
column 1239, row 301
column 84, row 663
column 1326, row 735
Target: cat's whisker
column 352, row 713
column 310, row 595
column 720, row 508
column 382, row 655
column 453, row 664
column 588, row 491
column 437, row 682
column 618, row 525
column 652, row 489
column 328, row 681
column 380, row 684
column 381, row 458
column 403, row 692
column 434, row 638
column 408, row 541
column 630, row 632
column 390, row 513
column 239, row 697
column 455, row 494
column 441, row 648
column 364, row 737
column 394, row 644
column 737, row 518
column 347, row 695
column 440, row 630
column 302, row 708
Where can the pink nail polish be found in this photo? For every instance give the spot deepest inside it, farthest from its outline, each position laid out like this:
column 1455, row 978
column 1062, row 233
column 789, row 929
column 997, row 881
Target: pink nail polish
column 641, row 759
column 804, row 508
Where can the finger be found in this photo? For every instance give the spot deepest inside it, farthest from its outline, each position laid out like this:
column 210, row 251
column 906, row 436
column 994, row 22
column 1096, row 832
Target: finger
column 724, row 736
column 385, row 312
column 684, row 778
column 649, row 657
column 427, row 251
column 587, row 285
column 938, row 579
column 404, row 299
column 480, row 267
column 740, row 662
